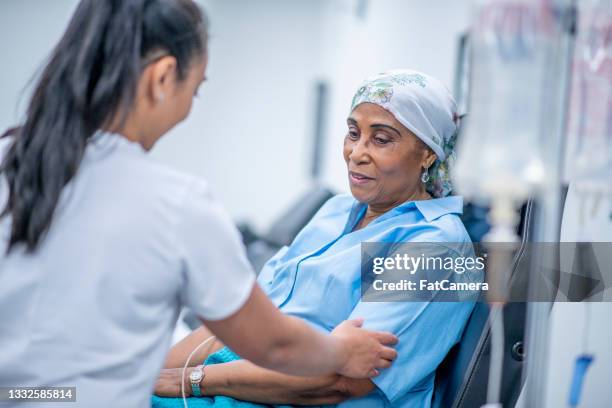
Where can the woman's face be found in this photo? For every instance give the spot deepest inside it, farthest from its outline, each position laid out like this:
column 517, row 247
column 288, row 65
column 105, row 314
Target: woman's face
column 183, row 92
column 168, row 99
column 384, row 159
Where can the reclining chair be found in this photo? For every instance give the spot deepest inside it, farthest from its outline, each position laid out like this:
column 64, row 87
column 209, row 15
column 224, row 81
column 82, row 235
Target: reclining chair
column 260, row 248
column 462, row 377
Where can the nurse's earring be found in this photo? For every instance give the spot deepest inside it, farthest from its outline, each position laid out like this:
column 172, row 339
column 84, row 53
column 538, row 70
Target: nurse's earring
column 161, row 97
column 425, row 175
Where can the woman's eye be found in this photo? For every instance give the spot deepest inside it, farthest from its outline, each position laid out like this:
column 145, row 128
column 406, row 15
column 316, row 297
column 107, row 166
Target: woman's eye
column 353, row 135
column 381, row 140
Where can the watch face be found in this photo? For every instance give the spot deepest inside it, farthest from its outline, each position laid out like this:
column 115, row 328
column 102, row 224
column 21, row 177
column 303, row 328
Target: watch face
column 196, row 375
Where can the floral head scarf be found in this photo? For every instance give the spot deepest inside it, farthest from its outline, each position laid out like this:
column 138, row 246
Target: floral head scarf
column 426, row 107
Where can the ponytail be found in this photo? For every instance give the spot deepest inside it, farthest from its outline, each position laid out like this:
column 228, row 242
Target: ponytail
column 90, row 79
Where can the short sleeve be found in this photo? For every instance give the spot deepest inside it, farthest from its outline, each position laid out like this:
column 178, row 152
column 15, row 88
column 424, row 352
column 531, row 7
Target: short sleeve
column 217, row 277
column 426, row 332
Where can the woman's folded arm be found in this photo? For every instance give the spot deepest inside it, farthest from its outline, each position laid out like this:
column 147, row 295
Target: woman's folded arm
column 246, row 381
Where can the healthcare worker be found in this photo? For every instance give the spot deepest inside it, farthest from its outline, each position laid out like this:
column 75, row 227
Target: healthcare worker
column 101, row 245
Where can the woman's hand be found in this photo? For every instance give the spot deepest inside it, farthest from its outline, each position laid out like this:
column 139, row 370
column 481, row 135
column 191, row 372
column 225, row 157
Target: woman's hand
column 365, row 351
column 168, row 383
column 243, row 380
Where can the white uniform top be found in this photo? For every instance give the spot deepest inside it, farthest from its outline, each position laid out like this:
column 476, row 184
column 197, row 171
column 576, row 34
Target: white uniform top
column 95, row 305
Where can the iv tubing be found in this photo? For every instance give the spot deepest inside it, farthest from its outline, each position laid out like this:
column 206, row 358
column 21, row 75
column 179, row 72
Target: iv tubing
column 185, row 368
column 497, row 353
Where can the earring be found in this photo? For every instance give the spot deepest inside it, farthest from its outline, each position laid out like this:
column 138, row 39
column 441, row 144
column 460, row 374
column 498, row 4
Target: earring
column 425, row 176
column 161, row 97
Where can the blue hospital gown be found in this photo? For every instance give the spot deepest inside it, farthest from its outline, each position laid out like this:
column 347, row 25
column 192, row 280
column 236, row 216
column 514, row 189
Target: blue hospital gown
column 318, row 278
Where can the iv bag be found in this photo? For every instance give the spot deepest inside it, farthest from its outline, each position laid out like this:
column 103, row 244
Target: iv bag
column 589, row 155
column 500, row 149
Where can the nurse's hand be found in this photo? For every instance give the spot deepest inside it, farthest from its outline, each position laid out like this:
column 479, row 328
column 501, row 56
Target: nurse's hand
column 365, row 352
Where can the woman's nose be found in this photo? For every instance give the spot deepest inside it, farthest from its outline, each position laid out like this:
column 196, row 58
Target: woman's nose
column 360, row 152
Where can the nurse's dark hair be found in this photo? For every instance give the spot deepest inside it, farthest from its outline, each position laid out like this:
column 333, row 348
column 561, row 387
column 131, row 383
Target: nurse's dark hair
column 90, row 79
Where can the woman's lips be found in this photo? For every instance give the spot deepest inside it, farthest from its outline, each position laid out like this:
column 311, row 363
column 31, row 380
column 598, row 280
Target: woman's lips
column 359, row 179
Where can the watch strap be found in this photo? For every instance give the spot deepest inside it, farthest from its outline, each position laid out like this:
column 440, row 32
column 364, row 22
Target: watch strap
column 196, row 390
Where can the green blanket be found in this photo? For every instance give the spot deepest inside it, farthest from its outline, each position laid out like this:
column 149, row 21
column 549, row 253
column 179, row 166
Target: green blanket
column 224, row 355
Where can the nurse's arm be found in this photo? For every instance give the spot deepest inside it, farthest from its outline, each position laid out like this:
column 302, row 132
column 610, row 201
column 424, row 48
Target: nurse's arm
column 248, row 382
column 259, row 332
column 178, row 354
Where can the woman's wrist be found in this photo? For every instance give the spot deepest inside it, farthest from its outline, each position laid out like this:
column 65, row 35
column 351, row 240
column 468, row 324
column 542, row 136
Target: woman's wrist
column 187, row 381
column 214, row 381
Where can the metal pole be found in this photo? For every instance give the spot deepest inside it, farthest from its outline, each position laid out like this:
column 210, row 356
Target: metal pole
column 550, row 211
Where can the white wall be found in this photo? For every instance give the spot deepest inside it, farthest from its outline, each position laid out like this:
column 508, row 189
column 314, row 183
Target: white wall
column 249, row 132
column 28, row 31
column 414, row 34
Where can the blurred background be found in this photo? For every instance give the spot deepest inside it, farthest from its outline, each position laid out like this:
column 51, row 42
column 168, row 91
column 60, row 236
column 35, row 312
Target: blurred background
column 251, row 131
column 281, row 77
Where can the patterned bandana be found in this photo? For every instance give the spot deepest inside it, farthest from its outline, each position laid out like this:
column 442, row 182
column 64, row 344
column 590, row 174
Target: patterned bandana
column 425, row 107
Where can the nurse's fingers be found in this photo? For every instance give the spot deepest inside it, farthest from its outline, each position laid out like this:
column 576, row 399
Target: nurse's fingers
column 358, row 322
column 382, row 363
column 385, row 338
column 388, row 353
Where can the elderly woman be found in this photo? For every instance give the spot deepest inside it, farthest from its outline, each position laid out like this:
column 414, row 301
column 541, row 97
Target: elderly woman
column 398, row 146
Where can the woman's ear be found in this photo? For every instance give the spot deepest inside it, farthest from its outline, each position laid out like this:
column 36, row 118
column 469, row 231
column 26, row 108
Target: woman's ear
column 162, row 74
column 429, row 159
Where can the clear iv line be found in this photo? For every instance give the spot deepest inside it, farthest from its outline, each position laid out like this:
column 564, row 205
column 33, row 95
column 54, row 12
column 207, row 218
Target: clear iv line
column 185, row 368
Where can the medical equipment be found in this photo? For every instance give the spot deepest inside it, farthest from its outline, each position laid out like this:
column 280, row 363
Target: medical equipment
column 185, row 367
column 508, row 152
column 505, row 109
column 590, row 117
column 590, row 139
column 582, row 363
column 460, row 377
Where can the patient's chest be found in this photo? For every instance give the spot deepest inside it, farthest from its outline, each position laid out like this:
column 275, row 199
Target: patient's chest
column 321, row 286
column 318, row 278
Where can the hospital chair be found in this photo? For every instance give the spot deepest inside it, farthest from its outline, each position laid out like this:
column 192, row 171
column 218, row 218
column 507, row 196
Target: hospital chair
column 262, row 247
column 462, row 376
column 461, row 379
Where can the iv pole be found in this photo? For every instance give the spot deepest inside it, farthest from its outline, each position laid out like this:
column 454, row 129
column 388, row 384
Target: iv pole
column 529, row 44
column 548, row 215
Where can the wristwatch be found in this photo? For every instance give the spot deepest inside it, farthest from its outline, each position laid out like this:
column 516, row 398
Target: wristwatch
column 195, row 378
